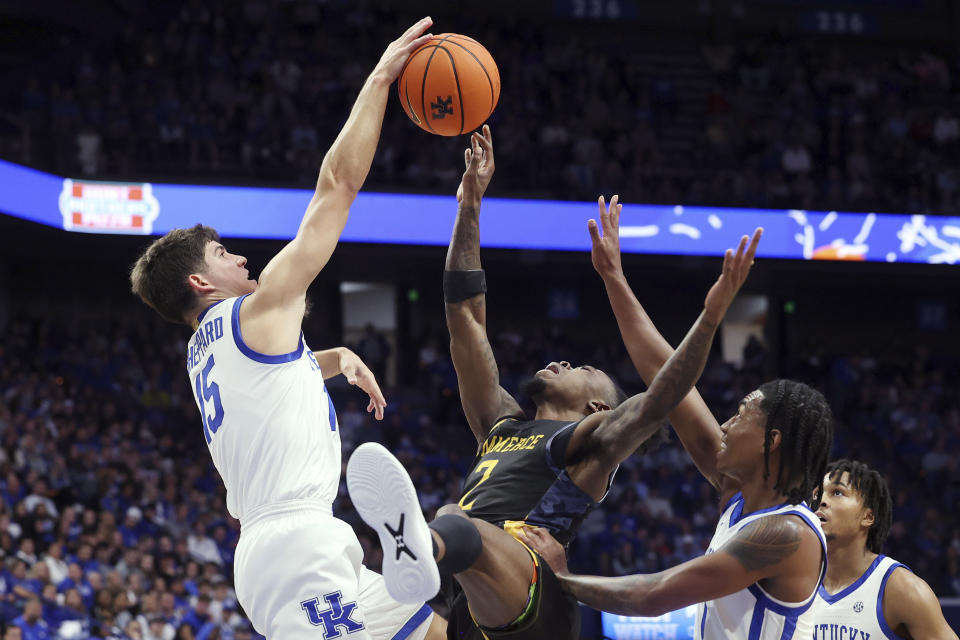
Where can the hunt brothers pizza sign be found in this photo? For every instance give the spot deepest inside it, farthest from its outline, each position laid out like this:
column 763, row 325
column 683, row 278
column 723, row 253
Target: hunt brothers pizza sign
column 108, row 207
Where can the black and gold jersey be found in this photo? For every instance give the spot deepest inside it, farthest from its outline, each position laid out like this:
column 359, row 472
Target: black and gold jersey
column 519, row 475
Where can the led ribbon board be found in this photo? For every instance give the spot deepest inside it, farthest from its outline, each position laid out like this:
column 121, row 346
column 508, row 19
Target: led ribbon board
column 676, row 625
column 392, row 218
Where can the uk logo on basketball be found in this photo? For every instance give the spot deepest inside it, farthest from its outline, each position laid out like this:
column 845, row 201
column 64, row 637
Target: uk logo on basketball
column 442, row 108
column 108, row 207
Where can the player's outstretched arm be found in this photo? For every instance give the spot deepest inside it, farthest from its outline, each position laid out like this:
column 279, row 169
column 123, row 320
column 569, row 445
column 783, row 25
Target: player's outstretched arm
column 649, row 351
column 333, row 362
column 615, row 435
column 911, row 608
column 271, row 317
column 483, row 399
column 770, row 547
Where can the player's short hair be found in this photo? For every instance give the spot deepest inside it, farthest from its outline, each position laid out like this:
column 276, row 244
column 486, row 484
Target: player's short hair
column 160, row 274
column 619, row 395
column 656, row 440
column 802, row 416
column 874, row 493
column 659, row 438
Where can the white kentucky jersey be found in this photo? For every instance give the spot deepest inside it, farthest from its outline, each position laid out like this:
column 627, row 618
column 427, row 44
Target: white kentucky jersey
column 856, row 613
column 267, row 419
column 752, row 613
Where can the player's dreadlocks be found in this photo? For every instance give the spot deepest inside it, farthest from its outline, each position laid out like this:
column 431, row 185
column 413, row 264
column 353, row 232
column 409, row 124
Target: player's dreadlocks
column 874, row 493
column 805, row 422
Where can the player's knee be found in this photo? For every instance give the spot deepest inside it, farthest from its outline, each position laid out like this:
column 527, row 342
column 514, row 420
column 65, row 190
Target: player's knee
column 461, row 540
column 451, row 509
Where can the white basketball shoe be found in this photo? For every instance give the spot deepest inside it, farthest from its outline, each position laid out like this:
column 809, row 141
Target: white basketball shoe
column 385, row 498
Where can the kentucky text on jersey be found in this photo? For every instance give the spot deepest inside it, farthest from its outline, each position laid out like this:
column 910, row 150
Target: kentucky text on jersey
column 207, row 333
column 838, row 632
column 856, row 612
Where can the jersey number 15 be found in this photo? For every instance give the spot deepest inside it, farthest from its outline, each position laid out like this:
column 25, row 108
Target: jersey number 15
column 208, row 391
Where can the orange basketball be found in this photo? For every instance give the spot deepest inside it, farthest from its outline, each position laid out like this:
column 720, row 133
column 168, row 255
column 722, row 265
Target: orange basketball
column 450, row 85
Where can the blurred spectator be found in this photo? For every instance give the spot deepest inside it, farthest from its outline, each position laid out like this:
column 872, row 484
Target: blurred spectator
column 56, row 566
column 374, row 351
column 796, row 158
column 32, row 626
column 202, row 547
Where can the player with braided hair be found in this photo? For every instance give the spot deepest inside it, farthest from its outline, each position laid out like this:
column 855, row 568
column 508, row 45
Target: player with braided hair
column 802, row 416
column 873, row 493
column 766, row 562
column 865, row 593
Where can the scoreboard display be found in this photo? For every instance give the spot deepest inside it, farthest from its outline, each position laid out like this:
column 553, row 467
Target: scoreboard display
column 596, row 9
column 924, row 19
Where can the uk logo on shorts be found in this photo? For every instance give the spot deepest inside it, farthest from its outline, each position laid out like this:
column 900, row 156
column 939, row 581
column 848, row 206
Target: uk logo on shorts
column 335, row 616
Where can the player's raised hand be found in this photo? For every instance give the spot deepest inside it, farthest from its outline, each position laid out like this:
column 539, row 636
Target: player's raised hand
column 736, row 266
column 358, row 374
column 605, row 238
column 478, row 160
column 547, row 546
column 396, row 54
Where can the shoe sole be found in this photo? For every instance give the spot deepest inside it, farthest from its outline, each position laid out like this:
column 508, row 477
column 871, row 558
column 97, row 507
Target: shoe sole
column 384, row 496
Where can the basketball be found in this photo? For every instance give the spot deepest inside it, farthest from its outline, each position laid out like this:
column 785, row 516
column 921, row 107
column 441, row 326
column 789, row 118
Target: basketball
column 450, row 85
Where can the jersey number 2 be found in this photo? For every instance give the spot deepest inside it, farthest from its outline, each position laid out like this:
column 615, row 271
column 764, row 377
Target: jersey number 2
column 208, row 391
column 485, row 467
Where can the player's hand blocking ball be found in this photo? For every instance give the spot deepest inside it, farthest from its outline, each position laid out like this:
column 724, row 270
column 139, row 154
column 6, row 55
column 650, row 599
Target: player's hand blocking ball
column 450, row 85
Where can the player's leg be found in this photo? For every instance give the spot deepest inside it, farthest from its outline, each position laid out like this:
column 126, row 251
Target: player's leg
column 508, row 592
column 297, row 577
column 437, row 629
column 494, row 569
column 387, row 619
column 496, row 572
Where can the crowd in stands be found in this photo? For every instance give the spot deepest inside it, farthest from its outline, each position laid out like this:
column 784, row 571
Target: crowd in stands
column 113, row 522
column 112, row 519
column 792, row 123
column 226, row 92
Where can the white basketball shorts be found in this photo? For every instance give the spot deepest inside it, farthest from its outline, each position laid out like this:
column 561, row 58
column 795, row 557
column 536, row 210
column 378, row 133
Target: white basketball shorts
column 299, row 575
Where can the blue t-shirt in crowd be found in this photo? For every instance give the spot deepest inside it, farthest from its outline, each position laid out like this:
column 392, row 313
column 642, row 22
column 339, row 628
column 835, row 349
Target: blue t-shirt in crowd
column 36, row 631
column 193, row 619
column 56, row 614
column 86, row 591
column 130, row 535
column 29, row 584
